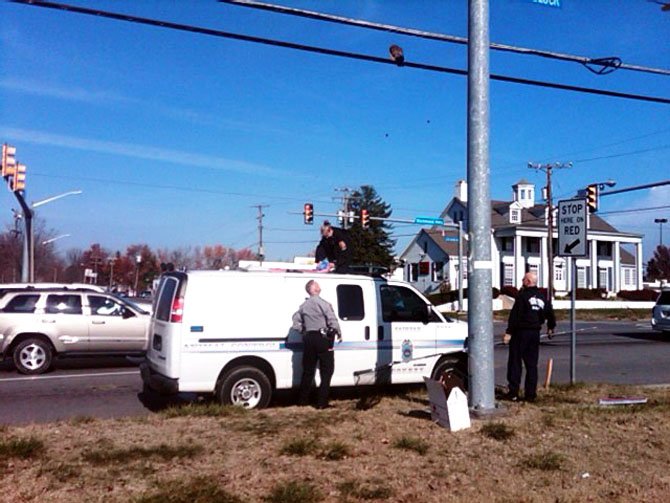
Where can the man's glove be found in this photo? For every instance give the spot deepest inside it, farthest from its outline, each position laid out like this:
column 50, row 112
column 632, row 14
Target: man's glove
column 506, row 338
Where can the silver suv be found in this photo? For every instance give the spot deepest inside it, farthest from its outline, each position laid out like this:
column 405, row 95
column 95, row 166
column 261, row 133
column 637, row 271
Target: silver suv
column 37, row 325
column 660, row 314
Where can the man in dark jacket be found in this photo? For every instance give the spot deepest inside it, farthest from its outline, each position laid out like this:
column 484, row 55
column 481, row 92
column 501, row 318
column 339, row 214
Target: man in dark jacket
column 531, row 309
column 336, row 246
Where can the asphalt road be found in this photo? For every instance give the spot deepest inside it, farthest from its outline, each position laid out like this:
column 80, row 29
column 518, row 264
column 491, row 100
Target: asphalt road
column 609, row 352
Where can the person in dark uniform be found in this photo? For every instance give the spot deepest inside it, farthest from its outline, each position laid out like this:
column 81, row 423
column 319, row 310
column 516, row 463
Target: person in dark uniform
column 336, row 245
column 531, row 309
column 317, row 322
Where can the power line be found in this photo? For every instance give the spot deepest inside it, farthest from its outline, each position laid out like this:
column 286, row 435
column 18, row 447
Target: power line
column 334, row 52
column 606, row 65
column 623, row 154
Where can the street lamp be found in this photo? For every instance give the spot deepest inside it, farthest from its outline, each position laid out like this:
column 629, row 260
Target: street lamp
column 48, row 241
column 29, row 246
column 660, row 222
column 138, row 261
column 111, row 271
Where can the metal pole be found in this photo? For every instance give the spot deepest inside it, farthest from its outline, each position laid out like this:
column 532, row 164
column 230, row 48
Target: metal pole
column 573, row 322
column 550, row 242
column 480, row 314
column 460, row 266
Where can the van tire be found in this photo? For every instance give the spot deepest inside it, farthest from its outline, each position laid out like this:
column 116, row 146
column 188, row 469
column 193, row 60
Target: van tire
column 32, row 356
column 455, row 365
column 246, row 387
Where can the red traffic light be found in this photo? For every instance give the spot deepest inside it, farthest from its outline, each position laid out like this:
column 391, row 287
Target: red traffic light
column 365, row 218
column 308, row 213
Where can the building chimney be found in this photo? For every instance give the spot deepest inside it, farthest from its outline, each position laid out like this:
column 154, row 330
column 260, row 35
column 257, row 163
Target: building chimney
column 461, row 191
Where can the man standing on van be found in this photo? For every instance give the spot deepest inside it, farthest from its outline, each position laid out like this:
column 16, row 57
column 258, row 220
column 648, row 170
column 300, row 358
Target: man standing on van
column 336, row 245
column 528, row 314
column 316, row 320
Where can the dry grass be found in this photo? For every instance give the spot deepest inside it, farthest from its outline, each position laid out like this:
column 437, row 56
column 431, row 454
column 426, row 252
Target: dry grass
column 392, row 452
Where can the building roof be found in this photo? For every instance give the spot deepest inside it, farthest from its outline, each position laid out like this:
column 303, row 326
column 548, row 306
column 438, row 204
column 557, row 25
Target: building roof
column 437, row 235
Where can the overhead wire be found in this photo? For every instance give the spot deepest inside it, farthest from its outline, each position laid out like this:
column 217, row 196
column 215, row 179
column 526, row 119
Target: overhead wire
column 607, row 65
column 334, row 52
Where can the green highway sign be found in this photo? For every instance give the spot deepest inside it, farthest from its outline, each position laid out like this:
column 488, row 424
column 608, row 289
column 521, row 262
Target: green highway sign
column 429, row 221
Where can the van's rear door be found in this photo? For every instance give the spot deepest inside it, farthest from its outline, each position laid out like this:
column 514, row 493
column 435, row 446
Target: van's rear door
column 165, row 328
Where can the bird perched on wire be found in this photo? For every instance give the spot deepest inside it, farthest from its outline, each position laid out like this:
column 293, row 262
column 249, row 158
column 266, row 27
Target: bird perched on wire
column 397, row 55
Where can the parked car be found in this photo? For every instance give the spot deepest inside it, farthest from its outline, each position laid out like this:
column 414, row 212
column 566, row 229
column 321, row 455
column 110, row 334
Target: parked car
column 37, row 325
column 14, row 287
column 211, row 333
column 660, row 314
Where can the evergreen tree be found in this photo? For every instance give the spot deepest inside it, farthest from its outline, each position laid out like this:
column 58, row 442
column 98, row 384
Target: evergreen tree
column 658, row 266
column 372, row 246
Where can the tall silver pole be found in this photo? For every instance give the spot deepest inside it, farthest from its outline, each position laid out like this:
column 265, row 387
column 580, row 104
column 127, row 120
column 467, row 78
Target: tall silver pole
column 480, row 313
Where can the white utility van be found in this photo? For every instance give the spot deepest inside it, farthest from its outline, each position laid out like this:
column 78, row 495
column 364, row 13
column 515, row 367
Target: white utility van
column 229, row 333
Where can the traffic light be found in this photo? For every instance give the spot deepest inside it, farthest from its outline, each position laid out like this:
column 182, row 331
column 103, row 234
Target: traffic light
column 592, row 197
column 8, row 160
column 308, row 213
column 19, row 178
column 365, row 219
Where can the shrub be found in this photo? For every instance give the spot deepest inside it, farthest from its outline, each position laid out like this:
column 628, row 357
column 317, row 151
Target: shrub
column 198, row 490
column 644, row 295
column 497, row 431
column 411, row 444
column 21, row 448
column 294, row 492
column 591, row 293
column 546, row 461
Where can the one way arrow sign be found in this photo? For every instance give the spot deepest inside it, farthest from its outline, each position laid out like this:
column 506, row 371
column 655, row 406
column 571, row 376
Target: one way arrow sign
column 571, row 222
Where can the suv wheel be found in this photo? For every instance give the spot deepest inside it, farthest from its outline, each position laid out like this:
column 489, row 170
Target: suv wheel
column 33, row 356
column 246, row 387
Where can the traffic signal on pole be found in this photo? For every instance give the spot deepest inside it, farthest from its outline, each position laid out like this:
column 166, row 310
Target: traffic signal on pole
column 308, row 213
column 8, row 160
column 592, row 197
column 19, row 178
column 365, row 219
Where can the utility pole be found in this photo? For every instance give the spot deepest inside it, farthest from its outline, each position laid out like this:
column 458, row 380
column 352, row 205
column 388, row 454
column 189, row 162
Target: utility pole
column 480, row 316
column 548, row 169
column 261, row 251
column 660, row 222
column 345, row 213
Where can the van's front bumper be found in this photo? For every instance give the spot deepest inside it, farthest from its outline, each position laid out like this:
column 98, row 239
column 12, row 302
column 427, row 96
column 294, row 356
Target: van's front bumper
column 158, row 382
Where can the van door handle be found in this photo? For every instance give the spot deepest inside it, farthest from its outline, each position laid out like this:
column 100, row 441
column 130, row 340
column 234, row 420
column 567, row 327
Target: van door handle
column 380, row 333
column 367, row 333
column 98, row 322
column 48, row 321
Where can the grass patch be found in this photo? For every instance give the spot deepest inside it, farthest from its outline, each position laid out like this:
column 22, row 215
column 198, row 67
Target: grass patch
column 294, row 492
column 368, row 490
column 300, row 447
column 335, row 451
column 22, row 448
column 61, row 472
column 497, row 431
column 77, row 420
column 205, row 409
column 545, row 461
column 411, row 444
column 197, row 490
column 109, row 455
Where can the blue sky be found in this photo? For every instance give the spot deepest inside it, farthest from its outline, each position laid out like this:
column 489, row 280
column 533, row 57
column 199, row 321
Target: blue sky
column 174, row 136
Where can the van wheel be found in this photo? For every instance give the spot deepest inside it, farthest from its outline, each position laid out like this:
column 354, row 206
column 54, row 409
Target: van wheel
column 453, row 366
column 32, row 356
column 246, row 387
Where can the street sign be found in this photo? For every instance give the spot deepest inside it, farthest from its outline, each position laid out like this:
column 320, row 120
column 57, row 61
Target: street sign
column 571, row 226
column 429, row 221
column 451, row 238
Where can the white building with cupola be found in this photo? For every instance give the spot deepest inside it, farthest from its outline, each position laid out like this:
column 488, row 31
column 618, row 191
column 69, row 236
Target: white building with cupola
column 519, row 244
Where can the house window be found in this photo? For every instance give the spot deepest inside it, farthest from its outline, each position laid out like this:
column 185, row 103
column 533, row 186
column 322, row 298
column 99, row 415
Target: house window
column 628, row 276
column 412, row 272
column 604, row 249
column 438, row 271
column 508, row 275
column 515, row 216
column 424, row 268
column 532, row 245
column 559, row 272
column 507, row 244
column 581, row 277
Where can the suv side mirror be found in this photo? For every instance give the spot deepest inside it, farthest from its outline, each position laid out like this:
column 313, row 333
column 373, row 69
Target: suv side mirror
column 127, row 313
